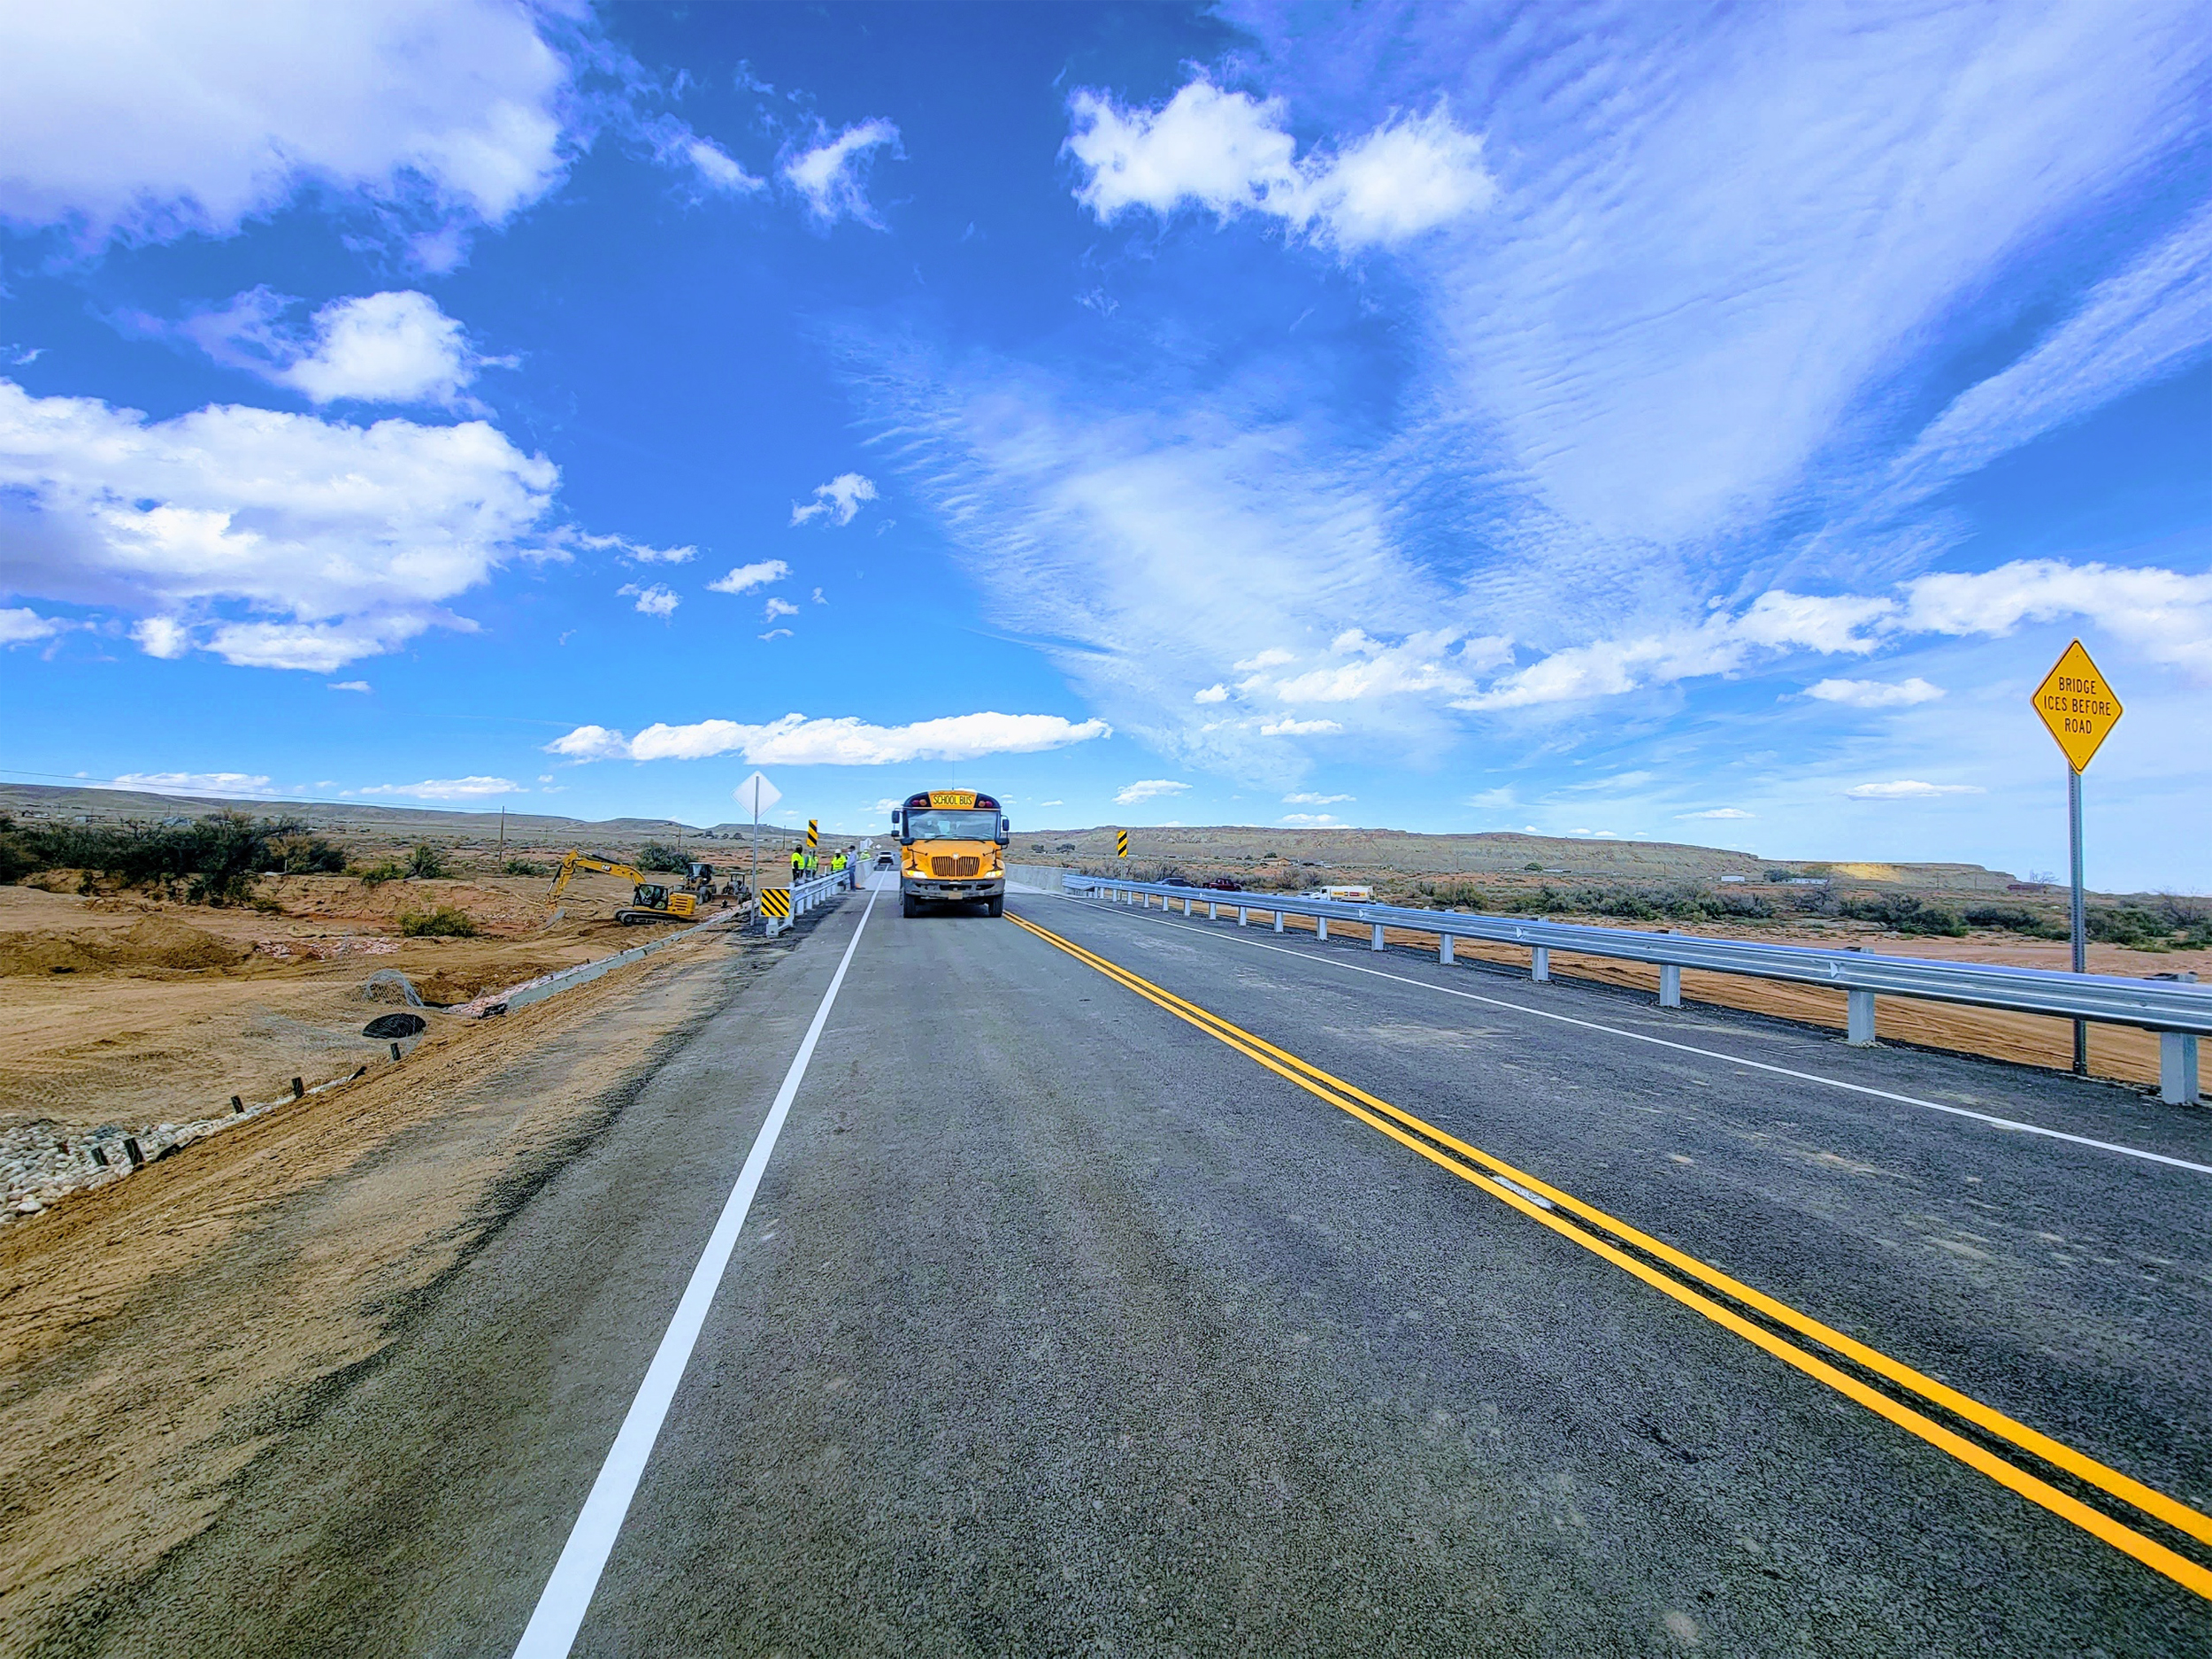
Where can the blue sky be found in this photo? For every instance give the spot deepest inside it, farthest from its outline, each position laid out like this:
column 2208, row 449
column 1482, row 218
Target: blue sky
column 1655, row 421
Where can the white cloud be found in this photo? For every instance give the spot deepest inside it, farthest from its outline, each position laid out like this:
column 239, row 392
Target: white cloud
column 397, row 347
column 830, row 175
column 1721, row 644
column 1310, row 820
column 635, row 552
column 796, row 741
column 1434, row 661
column 839, row 500
column 217, row 783
column 1307, row 799
column 1299, row 728
column 1909, row 789
column 470, row 788
column 165, row 637
column 351, row 685
column 274, row 540
column 659, row 600
column 22, row 625
column 1875, row 693
column 1274, row 657
column 778, row 608
column 776, row 633
column 2162, row 613
column 1727, row 812
column 719, row 169
column 1052, row 803
column 745, row 577
column 147, row 120
column 1229, row 152
column 1211, row 693
column 817, row 597
column 1148, row 789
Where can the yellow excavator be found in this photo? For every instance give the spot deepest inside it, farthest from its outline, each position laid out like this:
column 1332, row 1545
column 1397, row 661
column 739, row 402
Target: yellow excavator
column 650, row 902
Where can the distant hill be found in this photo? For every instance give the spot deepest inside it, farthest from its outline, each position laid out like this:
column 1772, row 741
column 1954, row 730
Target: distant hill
column 1486, row 853
column 1228, row 846
column 47, row 802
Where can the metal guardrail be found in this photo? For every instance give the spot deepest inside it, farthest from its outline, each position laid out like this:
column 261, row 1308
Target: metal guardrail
column 2180, row 1012
column 806, row 894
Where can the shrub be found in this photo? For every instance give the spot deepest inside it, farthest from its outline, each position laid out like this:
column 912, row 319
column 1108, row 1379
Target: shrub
column 2017, row 918
column 522, row 867
column 1451, row 894
column 445, row 922
column 656, row 856
column 377, row 874
column 426, row 862
column 2158, row 926
column 1903, row 912
column 212, row 860
column 300, row 854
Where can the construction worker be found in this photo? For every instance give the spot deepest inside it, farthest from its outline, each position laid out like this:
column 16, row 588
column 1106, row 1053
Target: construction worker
column 798, row 864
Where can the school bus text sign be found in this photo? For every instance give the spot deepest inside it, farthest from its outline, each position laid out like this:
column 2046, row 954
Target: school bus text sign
column 2078, row 706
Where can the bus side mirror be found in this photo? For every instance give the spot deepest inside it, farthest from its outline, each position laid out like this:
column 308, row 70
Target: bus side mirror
column 1006, row 831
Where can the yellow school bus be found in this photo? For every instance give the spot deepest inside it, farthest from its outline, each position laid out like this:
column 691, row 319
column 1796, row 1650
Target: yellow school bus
column 952, row 849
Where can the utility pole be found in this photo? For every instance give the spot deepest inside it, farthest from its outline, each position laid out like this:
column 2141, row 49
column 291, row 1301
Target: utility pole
column 503, row 836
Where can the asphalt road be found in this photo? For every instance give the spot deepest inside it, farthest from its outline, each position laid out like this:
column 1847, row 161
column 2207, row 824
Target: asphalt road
column 1059, row 1324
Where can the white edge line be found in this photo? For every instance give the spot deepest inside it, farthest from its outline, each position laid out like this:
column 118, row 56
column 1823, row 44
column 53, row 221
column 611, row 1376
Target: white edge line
column 2012, row 1124
column 568, row 1592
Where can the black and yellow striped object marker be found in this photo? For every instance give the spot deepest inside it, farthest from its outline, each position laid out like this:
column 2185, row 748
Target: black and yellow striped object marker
column 1767, row 1323
column 1121, row 843
column 776, row 901
column 813, row 833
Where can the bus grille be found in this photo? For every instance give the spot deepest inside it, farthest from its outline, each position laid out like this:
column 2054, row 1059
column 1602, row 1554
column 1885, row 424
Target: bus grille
column 953, row 868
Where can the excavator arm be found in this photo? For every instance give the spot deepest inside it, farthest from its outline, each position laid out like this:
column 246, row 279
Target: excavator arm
column 576, row 861
column 652, row 900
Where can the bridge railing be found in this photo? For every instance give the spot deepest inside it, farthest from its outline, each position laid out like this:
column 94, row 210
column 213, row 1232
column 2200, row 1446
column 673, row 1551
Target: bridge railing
column 2179, row 1011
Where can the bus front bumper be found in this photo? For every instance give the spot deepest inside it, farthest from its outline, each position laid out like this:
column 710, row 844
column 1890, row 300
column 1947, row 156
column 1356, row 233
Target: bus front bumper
column 952, row 892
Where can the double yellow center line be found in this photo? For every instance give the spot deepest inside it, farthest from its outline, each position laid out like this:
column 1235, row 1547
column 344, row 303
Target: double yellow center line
column 1650, row 1260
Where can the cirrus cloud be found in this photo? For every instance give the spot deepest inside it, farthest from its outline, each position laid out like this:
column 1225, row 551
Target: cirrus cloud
column 1909, row 789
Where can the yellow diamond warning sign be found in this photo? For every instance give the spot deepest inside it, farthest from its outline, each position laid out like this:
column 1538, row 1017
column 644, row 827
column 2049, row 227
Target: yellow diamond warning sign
column 2078, row 706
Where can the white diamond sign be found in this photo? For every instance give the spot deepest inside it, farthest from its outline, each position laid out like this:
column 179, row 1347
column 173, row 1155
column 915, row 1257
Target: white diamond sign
column 756, row 794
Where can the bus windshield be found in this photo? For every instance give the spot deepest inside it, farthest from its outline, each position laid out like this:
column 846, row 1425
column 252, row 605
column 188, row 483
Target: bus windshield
column 949, row 824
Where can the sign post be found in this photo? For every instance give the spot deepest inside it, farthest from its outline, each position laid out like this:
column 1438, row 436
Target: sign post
column 2078, row 707
column 758, row 794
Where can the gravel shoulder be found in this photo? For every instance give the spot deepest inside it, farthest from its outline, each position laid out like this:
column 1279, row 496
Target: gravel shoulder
column 158, row 1334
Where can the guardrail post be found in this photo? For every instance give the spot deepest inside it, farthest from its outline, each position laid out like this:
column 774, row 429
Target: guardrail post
column 2177, row 1069
column 1244, row 916
column 1278, row 921
column 1320, row 927
column 1213, row 910
column 1378, row 945
column 1858, row 1018
column 1444, row 948
column 1670, row 986
column 1539, row 963
column 1186, row 905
